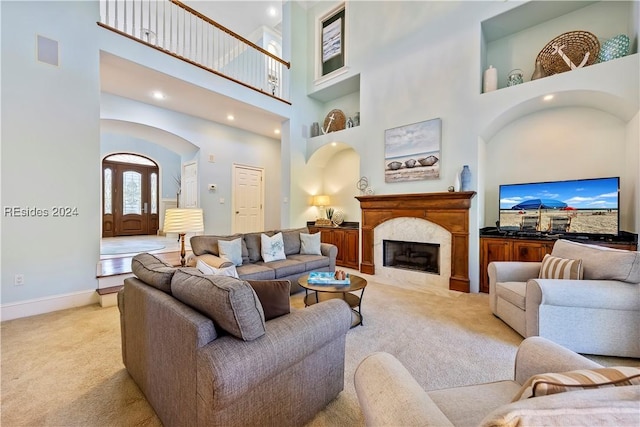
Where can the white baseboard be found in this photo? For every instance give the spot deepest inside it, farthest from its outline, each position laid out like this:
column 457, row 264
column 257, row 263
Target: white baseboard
column 47, row 304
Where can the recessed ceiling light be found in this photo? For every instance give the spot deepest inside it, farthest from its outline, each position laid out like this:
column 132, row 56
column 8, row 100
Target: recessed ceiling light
column 272, row 11
column 548, row 98
column 333, row 144
column 158, row 95
column 230, row 117
column 277, row 131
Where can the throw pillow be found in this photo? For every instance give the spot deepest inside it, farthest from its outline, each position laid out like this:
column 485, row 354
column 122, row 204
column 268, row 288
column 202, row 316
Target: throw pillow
column 153, row 271
column 231, row 303
column 231, row 250
column 272, row 248
column 274, row 295
column 225, row 271
column 552, row 383
column 310, row 244
column 560, row 268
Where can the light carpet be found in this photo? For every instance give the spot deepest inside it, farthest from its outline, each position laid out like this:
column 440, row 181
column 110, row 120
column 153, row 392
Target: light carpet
column 65, row 368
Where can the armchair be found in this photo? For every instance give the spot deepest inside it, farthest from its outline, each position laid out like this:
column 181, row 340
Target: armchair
column 597, row 315
column 390, row 396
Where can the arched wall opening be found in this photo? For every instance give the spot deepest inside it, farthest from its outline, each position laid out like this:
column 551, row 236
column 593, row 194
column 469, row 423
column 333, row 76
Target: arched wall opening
column 578, row 134
column 334, row 170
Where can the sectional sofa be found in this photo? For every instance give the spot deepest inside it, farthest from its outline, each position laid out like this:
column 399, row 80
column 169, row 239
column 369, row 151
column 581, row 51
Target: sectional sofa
column 297, row 261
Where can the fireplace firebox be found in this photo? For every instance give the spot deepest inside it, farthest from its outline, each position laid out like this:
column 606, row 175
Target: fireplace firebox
column 411, row 255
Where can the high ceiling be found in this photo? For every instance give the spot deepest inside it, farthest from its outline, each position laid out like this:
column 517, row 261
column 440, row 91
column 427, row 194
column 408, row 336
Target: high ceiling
column 130, row 80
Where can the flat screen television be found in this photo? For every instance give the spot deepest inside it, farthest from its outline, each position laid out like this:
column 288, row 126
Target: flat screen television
column 581, row 206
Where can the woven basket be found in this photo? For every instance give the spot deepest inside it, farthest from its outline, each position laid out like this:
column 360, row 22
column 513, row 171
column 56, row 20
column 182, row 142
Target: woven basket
column 576, row 45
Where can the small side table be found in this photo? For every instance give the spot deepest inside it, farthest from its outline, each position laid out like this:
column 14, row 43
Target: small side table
column 322, row 292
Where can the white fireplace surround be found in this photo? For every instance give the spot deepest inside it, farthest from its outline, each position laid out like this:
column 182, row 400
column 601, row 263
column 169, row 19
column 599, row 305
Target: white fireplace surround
column 413, row 230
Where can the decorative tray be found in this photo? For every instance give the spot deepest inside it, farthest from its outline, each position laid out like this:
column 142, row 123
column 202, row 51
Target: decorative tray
column 326, row 278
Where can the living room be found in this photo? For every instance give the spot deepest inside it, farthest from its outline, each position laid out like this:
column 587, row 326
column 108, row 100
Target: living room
column 398, row 85
column 413, row 61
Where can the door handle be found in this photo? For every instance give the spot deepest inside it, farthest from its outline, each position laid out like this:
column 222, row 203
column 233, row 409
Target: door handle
column 145, row 207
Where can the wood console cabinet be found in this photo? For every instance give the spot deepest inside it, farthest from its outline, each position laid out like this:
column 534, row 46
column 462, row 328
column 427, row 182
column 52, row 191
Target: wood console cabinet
column 346, row 239
column 516, row 249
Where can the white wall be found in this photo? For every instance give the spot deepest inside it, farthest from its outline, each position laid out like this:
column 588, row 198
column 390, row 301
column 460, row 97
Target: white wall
column 50, row 153
column 228, row 145
column 551, row 145
column 423, row 60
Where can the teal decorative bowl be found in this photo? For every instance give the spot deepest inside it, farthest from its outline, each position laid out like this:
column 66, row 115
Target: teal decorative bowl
column 615, row 47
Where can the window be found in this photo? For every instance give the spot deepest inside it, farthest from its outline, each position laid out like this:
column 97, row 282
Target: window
column 108, row 191
column 154, row 193
column 132, row 197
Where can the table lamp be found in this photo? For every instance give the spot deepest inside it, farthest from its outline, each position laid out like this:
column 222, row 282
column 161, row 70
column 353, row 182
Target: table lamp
column 321, row 201
column 183, row 221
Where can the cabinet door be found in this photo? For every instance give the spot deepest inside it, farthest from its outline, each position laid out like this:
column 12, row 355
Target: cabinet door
column 351, row 248
column 337, row 237
column 528, row 250
column 492, row 250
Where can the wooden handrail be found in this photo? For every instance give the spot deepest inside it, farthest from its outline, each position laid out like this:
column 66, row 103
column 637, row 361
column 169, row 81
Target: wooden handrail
column 182, row 58
column 231, row 33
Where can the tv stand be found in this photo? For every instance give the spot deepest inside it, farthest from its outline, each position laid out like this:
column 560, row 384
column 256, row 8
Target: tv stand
column 498, row 245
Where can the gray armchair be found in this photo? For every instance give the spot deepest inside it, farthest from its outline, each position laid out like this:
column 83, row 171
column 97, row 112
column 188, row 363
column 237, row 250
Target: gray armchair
column 390, row 396
column 597, row 315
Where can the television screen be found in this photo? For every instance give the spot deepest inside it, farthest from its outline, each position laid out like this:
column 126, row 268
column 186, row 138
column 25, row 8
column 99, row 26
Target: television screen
column 587, row 206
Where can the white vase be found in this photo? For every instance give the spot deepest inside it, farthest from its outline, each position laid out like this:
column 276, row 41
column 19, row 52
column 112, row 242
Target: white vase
column 490, row 79
column 456, row 182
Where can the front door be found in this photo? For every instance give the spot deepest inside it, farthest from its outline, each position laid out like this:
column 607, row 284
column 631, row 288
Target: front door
column 130, row 198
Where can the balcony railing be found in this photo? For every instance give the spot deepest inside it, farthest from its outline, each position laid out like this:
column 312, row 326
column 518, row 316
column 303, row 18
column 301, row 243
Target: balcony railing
column 178, row 30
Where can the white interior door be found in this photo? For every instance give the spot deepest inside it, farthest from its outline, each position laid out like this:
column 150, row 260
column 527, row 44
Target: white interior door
column 248, row 193
column 189, row 185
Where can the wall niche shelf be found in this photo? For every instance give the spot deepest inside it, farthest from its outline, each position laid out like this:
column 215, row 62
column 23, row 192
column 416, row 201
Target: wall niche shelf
column 513, row 39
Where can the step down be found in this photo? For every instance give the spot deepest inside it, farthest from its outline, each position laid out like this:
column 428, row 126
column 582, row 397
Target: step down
column 108, row 296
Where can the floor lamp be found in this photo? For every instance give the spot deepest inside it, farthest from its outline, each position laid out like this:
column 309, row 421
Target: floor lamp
column 183, row 221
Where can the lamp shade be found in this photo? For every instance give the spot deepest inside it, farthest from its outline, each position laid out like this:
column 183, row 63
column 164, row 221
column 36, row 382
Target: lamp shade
column 321, row 200
column 187, row 220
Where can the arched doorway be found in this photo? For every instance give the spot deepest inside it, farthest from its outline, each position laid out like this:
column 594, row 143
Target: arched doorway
column 129, row 195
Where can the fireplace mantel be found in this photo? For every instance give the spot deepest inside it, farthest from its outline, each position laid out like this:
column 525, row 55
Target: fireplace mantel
column 449, row 210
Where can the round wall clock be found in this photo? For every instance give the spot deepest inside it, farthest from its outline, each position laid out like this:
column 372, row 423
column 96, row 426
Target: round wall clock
column 334, row 121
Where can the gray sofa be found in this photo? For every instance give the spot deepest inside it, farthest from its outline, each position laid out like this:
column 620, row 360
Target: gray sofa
column 599, row 314
column 203, row 354
column 253, row 266
column 390, row 396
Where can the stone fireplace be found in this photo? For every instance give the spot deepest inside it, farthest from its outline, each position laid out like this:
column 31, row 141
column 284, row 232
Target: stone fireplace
column 435, row 218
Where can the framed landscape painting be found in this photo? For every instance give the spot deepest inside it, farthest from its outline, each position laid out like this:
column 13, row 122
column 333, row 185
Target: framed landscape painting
column 412, row 152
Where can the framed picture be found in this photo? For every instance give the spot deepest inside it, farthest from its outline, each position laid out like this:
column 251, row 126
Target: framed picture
column 332, row 41
column 412, row 152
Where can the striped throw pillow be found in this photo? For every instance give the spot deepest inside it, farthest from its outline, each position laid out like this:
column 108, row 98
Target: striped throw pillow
column 552, row 383
column 560, row 268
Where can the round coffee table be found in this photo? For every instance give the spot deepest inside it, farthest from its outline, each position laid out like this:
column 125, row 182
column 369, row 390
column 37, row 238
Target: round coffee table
column 322, row 292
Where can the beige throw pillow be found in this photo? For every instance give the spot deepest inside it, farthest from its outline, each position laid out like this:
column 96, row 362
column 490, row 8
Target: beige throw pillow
column 310, row 244
column 552, row 383
column 560, row 268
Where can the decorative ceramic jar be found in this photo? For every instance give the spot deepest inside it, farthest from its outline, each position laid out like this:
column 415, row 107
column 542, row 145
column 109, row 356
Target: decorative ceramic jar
column 615, row 47
column 315, row 129
column 515, row 77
